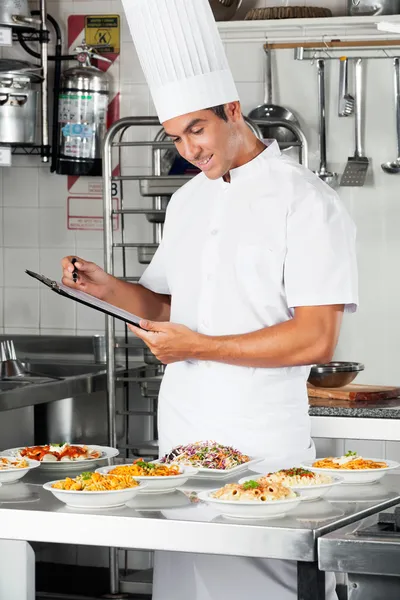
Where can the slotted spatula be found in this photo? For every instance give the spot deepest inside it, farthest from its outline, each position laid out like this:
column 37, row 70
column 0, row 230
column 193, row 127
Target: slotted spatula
column 357, row 165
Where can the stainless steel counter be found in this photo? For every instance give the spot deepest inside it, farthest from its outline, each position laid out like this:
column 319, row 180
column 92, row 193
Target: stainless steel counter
column 175, row 522
column 369, row 553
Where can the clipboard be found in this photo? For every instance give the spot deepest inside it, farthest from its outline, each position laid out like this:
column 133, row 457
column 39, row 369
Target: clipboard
column 87, row 300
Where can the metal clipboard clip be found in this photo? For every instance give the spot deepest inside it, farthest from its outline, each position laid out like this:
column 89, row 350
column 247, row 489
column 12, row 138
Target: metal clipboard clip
column 49, row 282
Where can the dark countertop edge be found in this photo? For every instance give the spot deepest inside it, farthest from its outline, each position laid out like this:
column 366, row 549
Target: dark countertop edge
column 390, row 412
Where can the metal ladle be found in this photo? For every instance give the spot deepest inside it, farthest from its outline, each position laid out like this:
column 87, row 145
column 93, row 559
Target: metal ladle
column 323, row 173
column 394, row 167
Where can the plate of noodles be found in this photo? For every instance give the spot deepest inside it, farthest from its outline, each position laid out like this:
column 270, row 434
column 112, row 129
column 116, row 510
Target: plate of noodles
column 13, row 469
column 95, row 490
column 159, row 478
column 310, row 485
column 210, row 459
column 64, row 456
column 352, row 468
column 251, row 500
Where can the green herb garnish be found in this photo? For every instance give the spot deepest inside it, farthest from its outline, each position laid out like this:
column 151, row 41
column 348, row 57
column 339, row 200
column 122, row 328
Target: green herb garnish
column 146, row 465
column 351, row 453
column 86, row 475
column 251, row 484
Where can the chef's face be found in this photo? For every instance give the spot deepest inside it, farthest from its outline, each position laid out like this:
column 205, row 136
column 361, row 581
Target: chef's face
column 206, row 140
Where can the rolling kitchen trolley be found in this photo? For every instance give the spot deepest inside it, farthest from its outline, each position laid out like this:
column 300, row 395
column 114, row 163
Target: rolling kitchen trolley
column 159, row 186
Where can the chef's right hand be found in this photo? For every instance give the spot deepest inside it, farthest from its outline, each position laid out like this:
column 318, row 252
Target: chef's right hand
column 90, row 277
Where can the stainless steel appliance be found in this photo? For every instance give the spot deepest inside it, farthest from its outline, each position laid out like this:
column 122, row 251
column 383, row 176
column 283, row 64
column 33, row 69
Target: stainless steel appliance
column 14, row 13
column 369, row 552
column 373, row 8
column 82, row 116
column 18, row 102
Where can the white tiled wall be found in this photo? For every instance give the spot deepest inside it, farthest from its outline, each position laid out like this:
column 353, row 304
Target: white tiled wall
column 33, row 232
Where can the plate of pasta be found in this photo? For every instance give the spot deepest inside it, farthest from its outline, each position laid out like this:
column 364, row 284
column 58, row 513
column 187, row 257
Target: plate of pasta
column 13, row 469
column 352, row 468
column 310, row 485
column 95, row 490
column 252, row 500
column 64, row 456
column 159, row 478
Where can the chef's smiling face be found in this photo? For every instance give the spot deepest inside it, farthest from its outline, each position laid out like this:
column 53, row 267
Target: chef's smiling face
column 206, row 140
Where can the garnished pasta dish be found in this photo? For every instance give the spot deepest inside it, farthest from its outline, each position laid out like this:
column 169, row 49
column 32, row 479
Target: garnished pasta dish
column 254, row 491
column 13, row 463
column 95, row 482
column 296, row 477
column 350, row 461
column 59, row 452
column 140, row 468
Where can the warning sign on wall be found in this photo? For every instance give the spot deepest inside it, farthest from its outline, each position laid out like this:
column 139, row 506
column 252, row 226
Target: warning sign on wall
column 104, row 31
column 86, row 213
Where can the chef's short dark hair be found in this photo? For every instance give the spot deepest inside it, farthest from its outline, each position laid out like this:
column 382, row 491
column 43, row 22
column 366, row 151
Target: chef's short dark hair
column 220, row 111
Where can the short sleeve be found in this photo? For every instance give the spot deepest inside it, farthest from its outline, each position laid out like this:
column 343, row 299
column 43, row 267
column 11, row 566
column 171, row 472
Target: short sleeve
column 155, row 276
column 320, row 265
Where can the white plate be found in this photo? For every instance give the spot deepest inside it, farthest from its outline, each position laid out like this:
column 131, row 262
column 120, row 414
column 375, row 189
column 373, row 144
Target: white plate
column 106, row 453
column 14, row 474
column 82, row 499
column 18, row 492
column 220, row 473
column 361, row 476
column 307, row 492
column 162, row 484
column 250, row 510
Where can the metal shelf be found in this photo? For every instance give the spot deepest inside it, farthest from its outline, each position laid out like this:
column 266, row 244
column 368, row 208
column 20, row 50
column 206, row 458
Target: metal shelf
column 30, row 150
column 31, row 35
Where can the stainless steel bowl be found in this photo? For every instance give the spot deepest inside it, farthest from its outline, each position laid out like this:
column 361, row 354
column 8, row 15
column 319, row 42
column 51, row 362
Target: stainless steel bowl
column 334, row 374
column 224, row 10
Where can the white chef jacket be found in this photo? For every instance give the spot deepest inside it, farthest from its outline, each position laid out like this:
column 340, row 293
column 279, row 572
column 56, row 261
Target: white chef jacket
column 237, row 257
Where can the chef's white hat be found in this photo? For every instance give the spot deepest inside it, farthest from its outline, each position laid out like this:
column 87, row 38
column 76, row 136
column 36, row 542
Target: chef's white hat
column 181, row 54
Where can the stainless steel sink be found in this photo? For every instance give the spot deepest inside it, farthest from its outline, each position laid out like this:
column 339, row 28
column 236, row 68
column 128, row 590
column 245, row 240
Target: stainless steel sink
column 6, row 386
column 47, row 381
column 61, row 369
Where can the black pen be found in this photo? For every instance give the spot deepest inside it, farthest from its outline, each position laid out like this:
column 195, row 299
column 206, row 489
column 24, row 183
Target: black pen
column 75, row 271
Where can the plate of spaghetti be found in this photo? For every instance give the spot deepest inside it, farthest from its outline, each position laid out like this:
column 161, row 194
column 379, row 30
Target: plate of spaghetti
column 94, row 490
column 63, row 456
column 13, row 469
column 251, row 500
column 352, row 468
column 159, row 478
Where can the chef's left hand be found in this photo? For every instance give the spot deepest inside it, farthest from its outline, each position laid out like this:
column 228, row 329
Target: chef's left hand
column 169, row 342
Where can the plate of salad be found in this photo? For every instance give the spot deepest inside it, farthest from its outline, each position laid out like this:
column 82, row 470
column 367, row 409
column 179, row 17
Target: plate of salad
column 210, row 459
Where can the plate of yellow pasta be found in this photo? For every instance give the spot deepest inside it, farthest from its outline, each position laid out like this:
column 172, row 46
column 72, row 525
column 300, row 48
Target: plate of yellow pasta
column 159, row 478
column 352, row 468
column 13, row 469
column 252, row 500
column 95, row 490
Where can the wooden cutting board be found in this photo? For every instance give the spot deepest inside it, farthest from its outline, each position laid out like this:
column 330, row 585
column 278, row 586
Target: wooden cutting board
column 354, row 392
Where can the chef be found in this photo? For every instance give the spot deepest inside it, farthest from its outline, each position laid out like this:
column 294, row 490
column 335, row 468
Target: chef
column 246, row 290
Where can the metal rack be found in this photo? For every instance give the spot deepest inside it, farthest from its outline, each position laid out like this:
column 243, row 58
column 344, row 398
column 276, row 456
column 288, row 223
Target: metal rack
column 157, row 186
column 41, row 35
